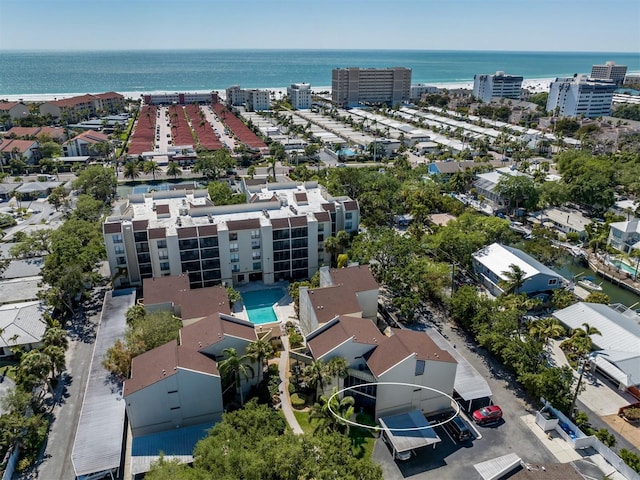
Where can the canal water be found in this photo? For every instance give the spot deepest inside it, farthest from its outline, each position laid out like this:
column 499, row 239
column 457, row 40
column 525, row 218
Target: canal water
column 570, row 267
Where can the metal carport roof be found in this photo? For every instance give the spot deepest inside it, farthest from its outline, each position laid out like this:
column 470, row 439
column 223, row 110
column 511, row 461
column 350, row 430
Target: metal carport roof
column 405, row 440
column 469, row 384
column 100, row 433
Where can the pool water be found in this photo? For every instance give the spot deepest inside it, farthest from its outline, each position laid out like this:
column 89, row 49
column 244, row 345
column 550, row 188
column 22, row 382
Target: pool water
column 624, row 267
column 259, row 304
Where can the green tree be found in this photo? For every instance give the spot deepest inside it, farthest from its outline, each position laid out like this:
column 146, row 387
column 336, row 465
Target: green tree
column 235, row 367
column 50, row 150
column 57, row 197
column 598, row 297
column 261, row 350
column 546, row 328
column 562, row 298
column 515, row 278
column 330, row 411
column 211, row 166
column 519, row 190
column 33, row 244
column 316, row 376
column 131, row 170
column 221, row 194
column 174, row 170
column 97, row 181
column 332, row 247
column 151, row 167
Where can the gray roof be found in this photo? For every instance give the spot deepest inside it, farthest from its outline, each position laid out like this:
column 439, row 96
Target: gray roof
column 99, row 436
column 498, row 258
column 497, row 467
column 404, row 440
column 35, row 187
column 469, row 383
column 21, row 324
column 20, row 289
column 619, row 342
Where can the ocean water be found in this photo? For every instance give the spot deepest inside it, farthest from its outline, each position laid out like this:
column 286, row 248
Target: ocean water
column 30, row 72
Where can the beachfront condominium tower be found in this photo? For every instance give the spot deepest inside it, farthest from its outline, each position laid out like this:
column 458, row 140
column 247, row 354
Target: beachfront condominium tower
column 278, row 234
column 353, row 86
column 580, row 96
column 609, row 71
column 500, row 85
column 299, row 96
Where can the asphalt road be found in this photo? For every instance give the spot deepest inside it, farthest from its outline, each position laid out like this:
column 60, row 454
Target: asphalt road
column 55, row 462
column 452, row 460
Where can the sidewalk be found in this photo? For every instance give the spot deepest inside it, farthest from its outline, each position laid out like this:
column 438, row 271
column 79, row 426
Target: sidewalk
column 285, row 401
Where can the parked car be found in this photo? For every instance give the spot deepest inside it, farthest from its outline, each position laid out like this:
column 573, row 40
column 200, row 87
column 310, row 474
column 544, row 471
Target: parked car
column 458, row 429
column 486, row 415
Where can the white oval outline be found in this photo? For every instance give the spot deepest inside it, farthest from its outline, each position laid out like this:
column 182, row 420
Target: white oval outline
column 377, row 427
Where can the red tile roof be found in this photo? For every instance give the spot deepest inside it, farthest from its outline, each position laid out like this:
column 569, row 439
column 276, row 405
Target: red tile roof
column 73, row 101
column 91, row 137
column 338, row 331
column 23, row 146
column 163, row 362
column 5, row 106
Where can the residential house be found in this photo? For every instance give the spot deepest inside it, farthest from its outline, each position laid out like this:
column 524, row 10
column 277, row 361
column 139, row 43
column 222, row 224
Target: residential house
column 447, row 169
column 617, row 349
column 492, row 262
column 485, row 185
column 625, row 236
column 22, row 326
column 11, row 111
column 178, row 384
column 566, row 220
column 26, row 150
column 401, row 356
column 83, row 144
column 350, row 291
column 31, row 133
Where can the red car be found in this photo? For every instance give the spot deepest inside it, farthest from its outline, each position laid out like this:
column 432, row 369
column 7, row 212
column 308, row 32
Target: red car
column 489, row 414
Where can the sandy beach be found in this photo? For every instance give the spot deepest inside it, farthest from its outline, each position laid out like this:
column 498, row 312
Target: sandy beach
column 535, row 85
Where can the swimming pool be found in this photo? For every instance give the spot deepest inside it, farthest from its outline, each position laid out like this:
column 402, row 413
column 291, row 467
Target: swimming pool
column 347, row 152
column 259, row 304
column 161, row 187
column 624, row 267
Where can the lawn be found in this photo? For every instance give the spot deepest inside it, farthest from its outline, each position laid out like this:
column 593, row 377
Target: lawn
column 362, row 439
column 8, row 368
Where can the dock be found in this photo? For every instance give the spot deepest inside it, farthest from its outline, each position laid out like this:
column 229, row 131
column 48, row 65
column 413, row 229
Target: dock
column 613, row 274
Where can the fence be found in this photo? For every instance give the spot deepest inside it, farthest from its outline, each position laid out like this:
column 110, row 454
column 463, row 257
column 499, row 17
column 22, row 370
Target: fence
column 13, row 455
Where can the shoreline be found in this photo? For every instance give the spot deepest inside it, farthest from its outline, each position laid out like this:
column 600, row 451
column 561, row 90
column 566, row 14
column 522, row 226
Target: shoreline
column 536, row 85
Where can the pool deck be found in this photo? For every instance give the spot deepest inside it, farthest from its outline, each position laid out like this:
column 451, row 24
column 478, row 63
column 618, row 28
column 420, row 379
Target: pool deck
column 284, row 309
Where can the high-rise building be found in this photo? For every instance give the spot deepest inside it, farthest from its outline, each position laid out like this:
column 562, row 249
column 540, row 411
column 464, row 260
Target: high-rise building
column 299, row 96
column 278, row 234
column 353, row 86
column 609, row 71
column 580, row 96
column 252, row 99
column 500, row 85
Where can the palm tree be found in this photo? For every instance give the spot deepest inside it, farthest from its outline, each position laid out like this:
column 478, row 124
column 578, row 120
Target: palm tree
column 174, row 170
column 337, row 367
column 316, row 375
column 343, row 239
column 580, row 343
column 329, row 412
column 261, row 350
column 234, row 367
column 131, row 170
column 151, row 167
column 331, row 246
column 544, row 329
column 515, row 279
column 55, row 336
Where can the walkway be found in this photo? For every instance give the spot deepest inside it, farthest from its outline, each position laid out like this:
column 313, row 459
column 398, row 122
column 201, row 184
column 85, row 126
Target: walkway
column 285, row 401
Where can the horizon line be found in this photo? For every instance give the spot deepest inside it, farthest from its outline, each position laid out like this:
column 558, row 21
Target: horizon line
column 280, row 49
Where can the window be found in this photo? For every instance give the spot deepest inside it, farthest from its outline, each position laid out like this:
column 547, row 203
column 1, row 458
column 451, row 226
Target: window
column 122, row 261
column 347, row 226
column 164, row 266
column 257, row 265
column 553, row 281
column 235, row 268
column 321, row 227
column 163, row 255
column 348, row 215
column 117, row 238
column 233, row 247
column 255, row 244
column 419, row 367
column 162, row 244
column 255, row 233
column 235, row 257
column 256, row 255
column 119, row 249
column 233, row 236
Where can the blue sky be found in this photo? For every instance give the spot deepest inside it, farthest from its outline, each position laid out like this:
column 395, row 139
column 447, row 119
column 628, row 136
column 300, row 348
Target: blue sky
column 543, row 25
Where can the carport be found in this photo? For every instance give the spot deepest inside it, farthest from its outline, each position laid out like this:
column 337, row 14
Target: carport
column 468, row 384
column 498, row 467
column 408, row 431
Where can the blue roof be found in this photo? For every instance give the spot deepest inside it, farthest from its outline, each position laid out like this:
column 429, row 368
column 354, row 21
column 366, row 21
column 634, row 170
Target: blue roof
column 180, row 441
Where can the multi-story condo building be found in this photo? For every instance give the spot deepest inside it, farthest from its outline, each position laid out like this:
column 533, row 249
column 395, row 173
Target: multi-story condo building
column 257, row 100
column 609, row 71
column 353, row 86
column 299, row 96
column 179, row 98
column 580, row 96
column 254, row 100
column 500, row 85
column 420, row 89
column 83, row 106
column 278, row 234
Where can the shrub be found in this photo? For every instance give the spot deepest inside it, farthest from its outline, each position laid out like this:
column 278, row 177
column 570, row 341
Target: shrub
column 297, row 401
column 295, row 339
column 632, row 414
column 292, row 388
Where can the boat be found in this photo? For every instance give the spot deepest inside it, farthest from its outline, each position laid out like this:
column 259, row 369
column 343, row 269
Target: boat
column 589, row 284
